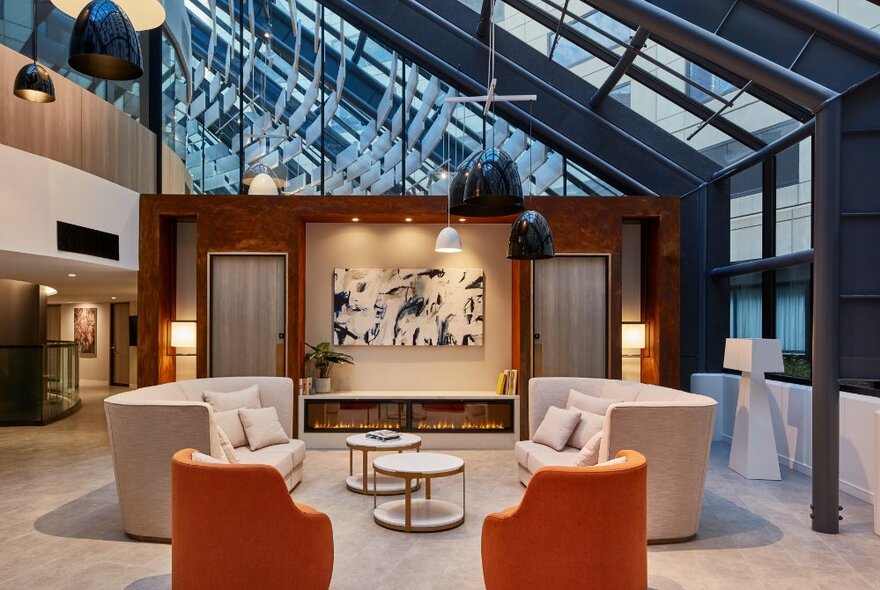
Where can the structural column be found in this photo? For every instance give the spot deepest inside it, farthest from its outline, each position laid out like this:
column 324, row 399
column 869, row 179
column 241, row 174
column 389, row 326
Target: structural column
column 826, row 319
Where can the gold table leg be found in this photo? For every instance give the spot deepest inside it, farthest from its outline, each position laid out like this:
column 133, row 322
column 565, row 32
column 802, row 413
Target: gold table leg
column 408, row 501
column 364, row 477
column 427, row 488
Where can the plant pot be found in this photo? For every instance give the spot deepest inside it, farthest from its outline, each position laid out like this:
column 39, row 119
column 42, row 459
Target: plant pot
column 322, row 385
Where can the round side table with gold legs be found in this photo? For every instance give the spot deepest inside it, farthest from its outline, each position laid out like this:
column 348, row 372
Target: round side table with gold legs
column 383, row 486
column 422, row 514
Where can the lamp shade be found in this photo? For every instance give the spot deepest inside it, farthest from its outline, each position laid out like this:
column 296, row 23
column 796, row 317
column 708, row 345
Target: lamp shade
column 634, row 335
column 33, row 83
column 143, row 14
column 487, row 184
column 104, row 44
column 530, row 238
column 183, row 334
column 263, row 184
column 448, row 241
column 256, row 169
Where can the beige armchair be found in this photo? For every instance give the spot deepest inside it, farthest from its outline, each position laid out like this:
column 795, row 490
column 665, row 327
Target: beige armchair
column 671, row 428
column 147, row 426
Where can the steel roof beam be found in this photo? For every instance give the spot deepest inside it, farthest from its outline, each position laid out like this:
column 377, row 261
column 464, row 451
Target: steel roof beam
column 719, row 50
column 674, row 95
column 638, row 41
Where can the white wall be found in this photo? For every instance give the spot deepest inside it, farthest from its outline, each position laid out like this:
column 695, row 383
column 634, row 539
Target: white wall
column 36, row 192
column 92, row 367
column 457, row 368
column 791, row 409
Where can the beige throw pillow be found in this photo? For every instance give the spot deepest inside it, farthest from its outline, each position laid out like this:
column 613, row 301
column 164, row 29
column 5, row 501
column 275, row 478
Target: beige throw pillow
column 262, row 428
column 556, row 428
column 616, row 461
column 589, row 403
column 226, row 445
column 231, row 425
column 587, row 427
column 223, row 401
column 589, row 455
column 203, row 458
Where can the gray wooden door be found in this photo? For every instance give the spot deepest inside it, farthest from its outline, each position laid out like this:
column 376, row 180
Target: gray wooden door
column 247, row 315
column 571, row 317
column 119, row 344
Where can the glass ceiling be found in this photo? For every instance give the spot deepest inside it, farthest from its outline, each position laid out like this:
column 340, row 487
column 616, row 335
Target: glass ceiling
column 302, row 65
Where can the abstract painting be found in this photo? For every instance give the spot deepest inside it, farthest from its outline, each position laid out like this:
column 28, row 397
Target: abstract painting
column 85, row 329
column 408, row 306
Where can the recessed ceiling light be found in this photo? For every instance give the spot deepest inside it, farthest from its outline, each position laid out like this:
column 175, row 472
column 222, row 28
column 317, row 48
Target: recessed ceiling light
column 113, row 298
column 408, row 219
column 355, row 219
column 462, row 219
column 71, row 274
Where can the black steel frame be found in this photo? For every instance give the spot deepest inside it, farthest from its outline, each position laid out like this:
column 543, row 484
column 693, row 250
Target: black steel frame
column 407, row 422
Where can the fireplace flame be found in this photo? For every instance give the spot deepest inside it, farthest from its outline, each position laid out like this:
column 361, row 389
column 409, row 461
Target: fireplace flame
column 355, row 425
column 447, row 425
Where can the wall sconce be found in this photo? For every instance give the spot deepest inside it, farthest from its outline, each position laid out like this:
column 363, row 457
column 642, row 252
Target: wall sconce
column 183, row 336
column 634, row 336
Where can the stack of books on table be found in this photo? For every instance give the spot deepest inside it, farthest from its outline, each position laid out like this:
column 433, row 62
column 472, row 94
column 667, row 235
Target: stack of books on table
column 383, row 435
column 507, row 382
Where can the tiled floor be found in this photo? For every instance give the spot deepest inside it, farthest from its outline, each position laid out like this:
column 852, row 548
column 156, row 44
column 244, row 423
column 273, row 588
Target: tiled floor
column 60, row 525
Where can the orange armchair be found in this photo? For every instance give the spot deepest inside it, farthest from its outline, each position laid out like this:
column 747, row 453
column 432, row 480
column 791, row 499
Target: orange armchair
column 236, row 527
column 576, row 527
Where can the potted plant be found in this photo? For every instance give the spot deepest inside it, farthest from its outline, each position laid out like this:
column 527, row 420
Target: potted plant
column 324, row 359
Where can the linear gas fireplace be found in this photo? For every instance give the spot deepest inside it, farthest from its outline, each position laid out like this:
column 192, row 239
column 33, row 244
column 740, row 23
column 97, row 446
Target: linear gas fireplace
column 441, row 415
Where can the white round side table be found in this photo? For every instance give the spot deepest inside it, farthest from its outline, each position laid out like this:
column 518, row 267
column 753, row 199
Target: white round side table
column 420, row 515
column 384, row 486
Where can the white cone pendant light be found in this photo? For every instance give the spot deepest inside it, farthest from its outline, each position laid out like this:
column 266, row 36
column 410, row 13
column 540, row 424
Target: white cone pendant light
column 263, row 184
column 143, row 14
column 448, row 241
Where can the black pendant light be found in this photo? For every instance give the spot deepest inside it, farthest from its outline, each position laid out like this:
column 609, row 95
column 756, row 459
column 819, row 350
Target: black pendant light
column 33, row 82
column 487, row 185
column 530, row 238
column 104, row 44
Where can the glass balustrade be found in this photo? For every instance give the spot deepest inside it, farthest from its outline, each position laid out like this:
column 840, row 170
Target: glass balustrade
column 38, row 384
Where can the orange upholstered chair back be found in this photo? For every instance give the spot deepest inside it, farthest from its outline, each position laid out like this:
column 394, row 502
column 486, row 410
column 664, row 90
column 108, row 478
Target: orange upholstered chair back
column 576, row 527
column 236, row 527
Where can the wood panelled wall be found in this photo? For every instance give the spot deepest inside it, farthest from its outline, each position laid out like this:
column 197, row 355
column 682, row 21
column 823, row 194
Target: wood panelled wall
column 277, row 224
column 84, row 131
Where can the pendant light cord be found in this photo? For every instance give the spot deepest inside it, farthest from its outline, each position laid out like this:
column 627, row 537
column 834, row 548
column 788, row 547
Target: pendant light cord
column 34, row 40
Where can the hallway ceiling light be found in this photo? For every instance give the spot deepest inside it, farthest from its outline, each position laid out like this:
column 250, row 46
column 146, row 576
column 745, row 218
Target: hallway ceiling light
column 71, row 275
column 104, row 44
column 263, row 184
column 144, row 14
column 530, row 238
column 33, row 82
column 408, row 220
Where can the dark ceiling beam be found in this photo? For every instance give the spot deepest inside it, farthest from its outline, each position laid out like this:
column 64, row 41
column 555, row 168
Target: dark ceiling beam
column 725, row 53
column 828, row 24
column 621, row 147
column 629, row 55
column 669, row 92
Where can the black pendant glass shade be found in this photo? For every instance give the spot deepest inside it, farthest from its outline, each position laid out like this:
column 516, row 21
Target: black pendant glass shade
column 486, row 185
column 530, row 238
column 33, row 83
column 104, row 44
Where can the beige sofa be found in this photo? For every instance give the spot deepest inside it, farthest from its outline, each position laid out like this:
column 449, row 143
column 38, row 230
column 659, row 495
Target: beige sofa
column 147, row 426
column 672, row 428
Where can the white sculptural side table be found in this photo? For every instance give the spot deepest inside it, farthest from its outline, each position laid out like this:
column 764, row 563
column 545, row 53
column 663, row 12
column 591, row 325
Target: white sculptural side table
column 753, row 451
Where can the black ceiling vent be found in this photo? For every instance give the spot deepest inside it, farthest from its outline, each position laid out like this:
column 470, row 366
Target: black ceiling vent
column 85, row 240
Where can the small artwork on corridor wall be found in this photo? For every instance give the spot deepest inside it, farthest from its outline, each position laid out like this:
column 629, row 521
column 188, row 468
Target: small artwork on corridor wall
column 408, row 306
column 85, row 329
